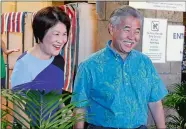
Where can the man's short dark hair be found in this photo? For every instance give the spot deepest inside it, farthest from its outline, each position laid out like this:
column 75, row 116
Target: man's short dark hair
column 123, row 12
column 47, row 18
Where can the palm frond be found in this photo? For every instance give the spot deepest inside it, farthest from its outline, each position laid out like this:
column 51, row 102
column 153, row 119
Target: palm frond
column 4, row 120
column 177, row 100
column 43, row 110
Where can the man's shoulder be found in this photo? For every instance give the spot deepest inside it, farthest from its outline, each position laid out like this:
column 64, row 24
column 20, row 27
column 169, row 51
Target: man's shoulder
column 140, row 55
column 94, row 57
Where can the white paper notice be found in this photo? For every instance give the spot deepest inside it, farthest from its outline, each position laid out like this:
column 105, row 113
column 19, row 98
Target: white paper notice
column 169, row 6
column 154, row 39
column 175, row 40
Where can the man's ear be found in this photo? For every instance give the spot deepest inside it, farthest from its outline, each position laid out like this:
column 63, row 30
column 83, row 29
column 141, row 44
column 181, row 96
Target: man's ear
column 110, row 29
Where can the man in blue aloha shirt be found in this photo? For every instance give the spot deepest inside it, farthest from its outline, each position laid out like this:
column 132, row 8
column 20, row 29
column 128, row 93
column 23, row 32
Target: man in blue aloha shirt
column 118, row 82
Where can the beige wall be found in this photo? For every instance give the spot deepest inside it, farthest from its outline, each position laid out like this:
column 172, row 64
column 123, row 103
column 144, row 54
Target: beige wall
column 57, row 3
column 27, row 6
column 31, row 6
column 87, row 30
column 23, row 6
column 8, row 7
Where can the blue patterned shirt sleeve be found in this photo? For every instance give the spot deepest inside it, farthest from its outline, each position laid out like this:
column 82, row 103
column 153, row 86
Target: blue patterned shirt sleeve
column 81, row 87
column 158, row 89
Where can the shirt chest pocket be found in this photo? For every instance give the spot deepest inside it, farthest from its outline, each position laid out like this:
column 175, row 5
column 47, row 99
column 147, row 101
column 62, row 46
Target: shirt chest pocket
column 141, row 85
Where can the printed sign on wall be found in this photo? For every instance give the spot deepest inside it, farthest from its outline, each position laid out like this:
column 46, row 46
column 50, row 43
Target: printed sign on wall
column 175, row 41
column 170, row 6
column 154, row 39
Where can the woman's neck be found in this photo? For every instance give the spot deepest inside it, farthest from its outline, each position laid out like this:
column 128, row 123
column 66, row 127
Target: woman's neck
column 39, row 53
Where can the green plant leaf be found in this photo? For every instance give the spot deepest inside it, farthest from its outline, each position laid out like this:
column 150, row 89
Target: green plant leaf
column 17, row 118
column 39, row 107
column 177, row 100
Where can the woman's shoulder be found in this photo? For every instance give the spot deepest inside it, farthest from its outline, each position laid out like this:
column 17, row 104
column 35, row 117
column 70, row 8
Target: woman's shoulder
column 59, row 62
column 22, row 55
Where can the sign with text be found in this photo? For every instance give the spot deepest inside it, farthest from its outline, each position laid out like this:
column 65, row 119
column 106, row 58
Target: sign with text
column 175, row 41
column 154, row 39
column 169, row 6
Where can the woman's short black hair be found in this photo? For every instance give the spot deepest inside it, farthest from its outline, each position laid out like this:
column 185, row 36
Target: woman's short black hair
column 46, row 18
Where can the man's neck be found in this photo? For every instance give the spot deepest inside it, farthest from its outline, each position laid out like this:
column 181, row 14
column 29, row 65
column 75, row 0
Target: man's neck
column 123, row 55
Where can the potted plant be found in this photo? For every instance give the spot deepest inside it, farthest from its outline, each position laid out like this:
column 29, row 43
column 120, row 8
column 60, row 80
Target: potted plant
column 35, row 109
column 177, row 100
